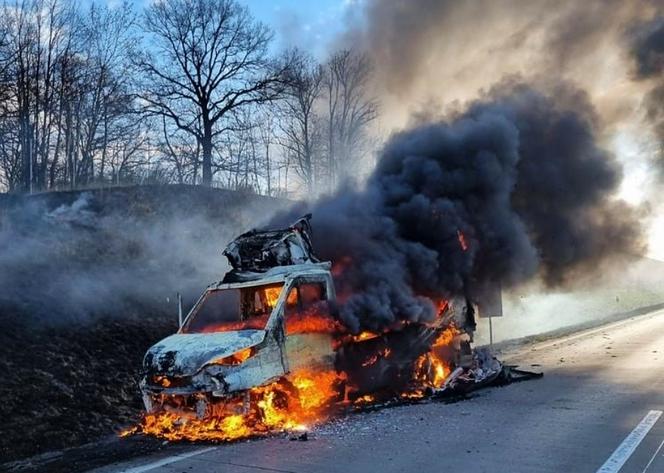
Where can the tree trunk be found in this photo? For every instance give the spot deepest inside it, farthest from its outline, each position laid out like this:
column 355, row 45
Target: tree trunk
column 268, row 168
column 104, row 151
column 206, row 145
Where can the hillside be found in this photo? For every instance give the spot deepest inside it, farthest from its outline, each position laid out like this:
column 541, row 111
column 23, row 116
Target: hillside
column 88, row 282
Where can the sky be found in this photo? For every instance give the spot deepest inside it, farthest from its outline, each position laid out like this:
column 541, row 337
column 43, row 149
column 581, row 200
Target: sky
column 310, row 24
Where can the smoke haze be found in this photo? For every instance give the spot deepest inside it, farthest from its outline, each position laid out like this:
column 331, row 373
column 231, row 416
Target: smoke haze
column 73, row 256
column 648, row 51
column 445, row 52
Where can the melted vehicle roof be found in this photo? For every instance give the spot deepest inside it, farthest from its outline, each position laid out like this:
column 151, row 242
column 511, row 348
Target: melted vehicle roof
column 272, row 275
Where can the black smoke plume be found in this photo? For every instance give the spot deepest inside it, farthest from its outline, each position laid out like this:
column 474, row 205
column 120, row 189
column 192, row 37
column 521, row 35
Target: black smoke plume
column 514, row 187
column 648, row 52
column 648, row 48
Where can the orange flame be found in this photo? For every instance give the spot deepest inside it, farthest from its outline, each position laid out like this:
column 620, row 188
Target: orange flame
column 272, row 295
column 304, row 398
column 236, row 358
column 462, row 240
column 311, row 323
column 431, row 369
column 376, row 356
column 365, row 336
column 162, row 381
column 252, row 323
column 273, row 408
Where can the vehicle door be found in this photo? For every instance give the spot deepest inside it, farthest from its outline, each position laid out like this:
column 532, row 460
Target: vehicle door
column 309, row 324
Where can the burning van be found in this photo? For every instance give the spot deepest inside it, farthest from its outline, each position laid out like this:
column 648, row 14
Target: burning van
column 273, row 316
column 245, row 334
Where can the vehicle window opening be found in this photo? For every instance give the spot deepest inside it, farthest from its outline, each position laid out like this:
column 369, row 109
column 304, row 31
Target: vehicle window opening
column 226, row 310
column 308, row 309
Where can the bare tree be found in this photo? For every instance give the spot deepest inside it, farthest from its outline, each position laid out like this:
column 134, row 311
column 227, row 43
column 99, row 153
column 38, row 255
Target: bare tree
column 65, row 85
column 107, row 111
column 179, row 153
column 349, row 109
column 9, row 157
column 300, row 126
column 210, row 58
column 238, row 152
column 80, row 106
column 267, row 128
column 36, row 35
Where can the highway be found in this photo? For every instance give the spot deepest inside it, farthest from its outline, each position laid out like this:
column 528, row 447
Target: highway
column 597, row 409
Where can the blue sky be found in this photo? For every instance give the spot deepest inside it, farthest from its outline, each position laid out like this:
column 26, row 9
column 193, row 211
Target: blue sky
column 307, row 24
column 310, row 25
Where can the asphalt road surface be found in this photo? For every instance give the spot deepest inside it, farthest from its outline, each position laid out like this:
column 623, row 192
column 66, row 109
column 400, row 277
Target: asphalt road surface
column 598, row 407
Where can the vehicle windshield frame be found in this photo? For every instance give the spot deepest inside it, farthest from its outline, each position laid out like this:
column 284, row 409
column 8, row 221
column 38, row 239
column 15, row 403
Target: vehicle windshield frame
column 201, row 300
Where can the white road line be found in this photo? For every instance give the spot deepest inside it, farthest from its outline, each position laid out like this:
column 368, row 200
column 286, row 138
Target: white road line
column 653, row 457
column 627, row 447
column 166, row 461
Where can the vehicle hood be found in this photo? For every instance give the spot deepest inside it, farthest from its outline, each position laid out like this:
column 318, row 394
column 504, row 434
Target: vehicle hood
column 183, row 354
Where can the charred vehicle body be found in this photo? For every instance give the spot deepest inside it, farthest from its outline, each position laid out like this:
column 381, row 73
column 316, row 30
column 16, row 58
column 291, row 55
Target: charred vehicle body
column 273, row 314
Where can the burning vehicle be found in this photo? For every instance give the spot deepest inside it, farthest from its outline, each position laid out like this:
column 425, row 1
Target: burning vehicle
column 264, row 349
column 244, row 334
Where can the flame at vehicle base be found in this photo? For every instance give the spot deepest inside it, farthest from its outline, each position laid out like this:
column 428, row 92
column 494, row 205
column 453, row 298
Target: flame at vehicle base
column 303, row 399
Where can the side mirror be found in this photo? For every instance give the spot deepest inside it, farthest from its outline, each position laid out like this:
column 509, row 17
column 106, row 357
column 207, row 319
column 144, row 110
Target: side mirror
column 180, row 310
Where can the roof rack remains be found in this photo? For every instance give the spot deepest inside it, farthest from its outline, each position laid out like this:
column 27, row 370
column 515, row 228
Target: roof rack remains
column 260, row 250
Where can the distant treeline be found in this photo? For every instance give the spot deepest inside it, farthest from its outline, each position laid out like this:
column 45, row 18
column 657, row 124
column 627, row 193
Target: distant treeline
column 184, row 91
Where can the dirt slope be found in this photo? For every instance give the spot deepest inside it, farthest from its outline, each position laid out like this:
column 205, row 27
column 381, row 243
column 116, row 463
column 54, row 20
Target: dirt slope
column 87, row 284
